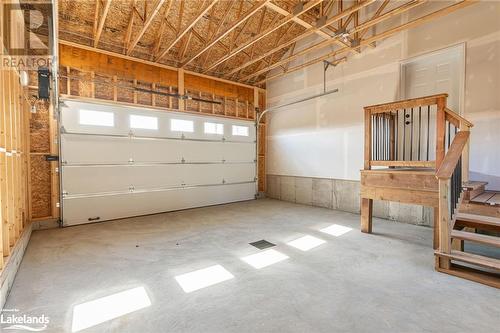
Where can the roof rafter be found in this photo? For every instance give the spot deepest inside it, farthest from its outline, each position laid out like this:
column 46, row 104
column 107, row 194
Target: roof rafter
column 323, row 44
column 156, row 8
column 288, row 18
column 161, row 30
column 245, row 17
column 411, row 24
column 101, row 19
column 305, row 34
column 191, row 24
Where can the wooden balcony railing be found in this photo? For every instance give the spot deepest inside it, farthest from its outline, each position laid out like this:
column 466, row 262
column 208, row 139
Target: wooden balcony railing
column 412, row 139
column 413, row 133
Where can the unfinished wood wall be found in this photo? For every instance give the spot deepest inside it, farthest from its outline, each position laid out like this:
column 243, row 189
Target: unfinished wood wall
column 14, row 142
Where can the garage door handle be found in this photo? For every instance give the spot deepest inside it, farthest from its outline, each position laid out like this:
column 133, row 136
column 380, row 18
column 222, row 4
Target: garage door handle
column 94, row 218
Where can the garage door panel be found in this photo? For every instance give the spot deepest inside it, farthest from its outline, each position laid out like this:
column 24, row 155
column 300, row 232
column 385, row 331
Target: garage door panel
column 95, row 179
column 239, row 152
column 106, row 176
column 102, row 208
column 84, row 149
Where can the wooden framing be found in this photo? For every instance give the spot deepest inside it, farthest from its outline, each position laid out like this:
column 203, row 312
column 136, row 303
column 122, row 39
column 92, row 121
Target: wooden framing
column 368, row 41
column 233, row 26
column 189, row 26
column 156, row 8
column 14, row 143
column 100, row 20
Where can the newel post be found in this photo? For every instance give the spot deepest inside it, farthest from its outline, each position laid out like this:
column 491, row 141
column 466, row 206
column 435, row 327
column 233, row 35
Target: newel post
column 465, row 154
column 367, row 204
column 440, row 130
column 444, row 223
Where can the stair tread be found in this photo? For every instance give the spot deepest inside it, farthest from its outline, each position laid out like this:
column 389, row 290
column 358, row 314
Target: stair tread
column 472, row 185
column 475, row 259
column 479, row 219
column 478, row 238
column 494, row 200
column 483, row 197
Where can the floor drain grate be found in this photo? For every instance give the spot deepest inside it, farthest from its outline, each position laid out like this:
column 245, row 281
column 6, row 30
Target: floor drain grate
column 262, row 244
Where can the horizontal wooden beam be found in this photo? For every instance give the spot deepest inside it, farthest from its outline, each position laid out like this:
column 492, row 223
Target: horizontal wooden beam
column 409, row 164
column 405, row 104
column 151, row 63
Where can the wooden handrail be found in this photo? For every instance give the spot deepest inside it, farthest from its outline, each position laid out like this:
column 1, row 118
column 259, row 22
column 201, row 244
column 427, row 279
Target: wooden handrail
column 453, row 155
column 407, row 103
column 459, row 118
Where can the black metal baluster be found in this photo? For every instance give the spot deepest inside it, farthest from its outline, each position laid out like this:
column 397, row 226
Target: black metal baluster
column 396, row 130
column 419, row 129
column 428, row 126
column 411, row 136
column 404, row 134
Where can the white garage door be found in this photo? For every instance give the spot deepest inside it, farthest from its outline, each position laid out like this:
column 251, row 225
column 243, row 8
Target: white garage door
column 123, row 161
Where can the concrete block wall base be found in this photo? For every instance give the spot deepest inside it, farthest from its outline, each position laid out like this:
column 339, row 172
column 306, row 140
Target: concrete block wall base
column 342, row 195
column 9, row 271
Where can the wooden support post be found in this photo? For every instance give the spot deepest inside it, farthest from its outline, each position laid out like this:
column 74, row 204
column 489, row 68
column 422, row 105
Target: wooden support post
column 366, row 215
column 465, row 155
column 180, row 87
column 440, row 131
column 135, row 91
column 115, row 88
column 368, row 139
column 92, row 85
column 435, row 242
column 444, row 223
column 153, row 96
column 68, row 81
column 169, row 98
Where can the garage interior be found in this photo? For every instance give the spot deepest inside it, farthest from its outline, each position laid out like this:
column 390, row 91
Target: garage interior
column 250, row 165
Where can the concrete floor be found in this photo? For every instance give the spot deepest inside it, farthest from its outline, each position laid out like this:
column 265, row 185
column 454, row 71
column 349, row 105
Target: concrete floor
column 384, row 282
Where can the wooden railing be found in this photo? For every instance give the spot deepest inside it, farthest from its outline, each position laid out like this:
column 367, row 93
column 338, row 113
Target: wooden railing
column 450, row 177
column 413, row 133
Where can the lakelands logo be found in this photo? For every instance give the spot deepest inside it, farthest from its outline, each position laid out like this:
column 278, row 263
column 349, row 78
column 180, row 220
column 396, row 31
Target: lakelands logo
column 25, row 39
column 11, row 319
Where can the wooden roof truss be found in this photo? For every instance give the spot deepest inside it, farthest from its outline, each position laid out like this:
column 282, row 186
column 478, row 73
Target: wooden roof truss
column 249, row 41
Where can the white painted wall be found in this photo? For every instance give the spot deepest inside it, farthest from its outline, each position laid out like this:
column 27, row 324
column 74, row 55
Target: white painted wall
column 324, row 137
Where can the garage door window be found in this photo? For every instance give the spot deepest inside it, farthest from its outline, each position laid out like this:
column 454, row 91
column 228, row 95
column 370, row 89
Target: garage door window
column 143, row 122
column 240, row 130
column 214, row 128
column 96, row 118
column 180, row 125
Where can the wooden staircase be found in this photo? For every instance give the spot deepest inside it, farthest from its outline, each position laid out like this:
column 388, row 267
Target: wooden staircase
column 417, row 152
column 475, row 222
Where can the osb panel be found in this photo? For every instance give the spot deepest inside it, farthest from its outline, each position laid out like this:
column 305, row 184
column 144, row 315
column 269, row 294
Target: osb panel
column 39, row 128
column 40, row 186
column 230, row 105
column 217, row 87
column 103, row 87
column 90, row 61
column 125, row 90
